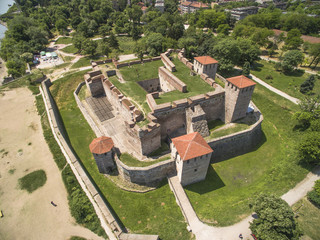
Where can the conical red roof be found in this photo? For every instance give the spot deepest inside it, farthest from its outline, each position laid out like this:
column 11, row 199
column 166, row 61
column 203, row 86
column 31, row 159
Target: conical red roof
column 191, row 145
column 101, row 145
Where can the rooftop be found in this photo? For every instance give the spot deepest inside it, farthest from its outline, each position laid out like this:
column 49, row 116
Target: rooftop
column 191, row 146
column 101, row 145
column 186, row 3
column 199, row 5
column 206, row 60
column 241, row 81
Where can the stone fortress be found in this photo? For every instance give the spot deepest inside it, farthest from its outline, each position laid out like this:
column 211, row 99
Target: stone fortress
column 182, row 123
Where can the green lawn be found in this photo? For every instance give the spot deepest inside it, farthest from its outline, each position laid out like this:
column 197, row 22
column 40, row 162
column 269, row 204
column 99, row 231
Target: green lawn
column 131, row 88
column 289, row 84
column 131, row 161
column 64, row 40
column 223, row 198
column 237, row 127
column 33, row 181
column 308, row 217
column 85, row 61
column 70, row 49
column 195, row 85
column 155, row 212
column 126, row 44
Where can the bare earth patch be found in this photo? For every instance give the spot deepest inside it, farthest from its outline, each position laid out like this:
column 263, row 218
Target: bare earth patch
column 30, row 216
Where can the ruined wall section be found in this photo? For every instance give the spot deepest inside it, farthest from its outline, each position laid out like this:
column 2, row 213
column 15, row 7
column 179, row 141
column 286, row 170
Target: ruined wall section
column 170, row 82
column 167, row 62
column 150, row 85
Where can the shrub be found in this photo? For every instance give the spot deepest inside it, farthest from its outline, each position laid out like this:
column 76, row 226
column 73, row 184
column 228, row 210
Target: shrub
column 314, row 198
column 309, row 148
column 269, row 77
column 308, row 84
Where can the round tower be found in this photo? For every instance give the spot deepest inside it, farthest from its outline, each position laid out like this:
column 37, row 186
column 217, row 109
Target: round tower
column 102, row 151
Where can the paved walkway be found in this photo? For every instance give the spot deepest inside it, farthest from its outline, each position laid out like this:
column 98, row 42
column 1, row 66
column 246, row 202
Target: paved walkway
column 205, row 232
column 275, row 90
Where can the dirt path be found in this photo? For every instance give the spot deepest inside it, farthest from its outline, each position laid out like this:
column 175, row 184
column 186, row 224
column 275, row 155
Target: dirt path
column 30, row 216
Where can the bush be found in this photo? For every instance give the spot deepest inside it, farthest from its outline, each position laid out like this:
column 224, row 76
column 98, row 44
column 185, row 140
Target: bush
column 309, row 148
column 314, row 198
column 308, row 84
column 269, row 77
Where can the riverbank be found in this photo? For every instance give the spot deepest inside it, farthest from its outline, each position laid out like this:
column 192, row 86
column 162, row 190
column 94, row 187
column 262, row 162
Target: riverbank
column 3, row 23
column 3, row 70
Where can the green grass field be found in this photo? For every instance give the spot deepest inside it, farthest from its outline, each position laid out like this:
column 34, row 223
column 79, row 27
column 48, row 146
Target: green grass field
column 33, row 181
column 223, row 198
column 195, row 85
column 155, row 212
column 308, row 217
column 64, row 40
column 289, row 84
column 85, row 61
column 70, row 49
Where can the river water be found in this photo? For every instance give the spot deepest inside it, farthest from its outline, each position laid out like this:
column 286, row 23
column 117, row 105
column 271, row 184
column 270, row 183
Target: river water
column 3, row 9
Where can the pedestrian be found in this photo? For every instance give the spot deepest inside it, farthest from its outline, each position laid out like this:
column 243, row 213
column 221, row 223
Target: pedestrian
column 240, row 236
column 53, row 204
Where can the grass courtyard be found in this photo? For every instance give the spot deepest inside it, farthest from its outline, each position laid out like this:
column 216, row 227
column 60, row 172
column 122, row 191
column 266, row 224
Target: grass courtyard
column 154, row 212
column 223, row 198
column 288, row 83
column 195, row 85
column 64, row 40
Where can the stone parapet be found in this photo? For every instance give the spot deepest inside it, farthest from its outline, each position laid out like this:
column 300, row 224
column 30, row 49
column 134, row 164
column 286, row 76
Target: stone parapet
column 167, row 62
column 148, row 176
column 172, row 79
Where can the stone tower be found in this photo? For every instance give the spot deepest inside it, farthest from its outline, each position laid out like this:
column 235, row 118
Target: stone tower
column 238, row 90
column 102, row 151
column 192, row 155
column 206, row 65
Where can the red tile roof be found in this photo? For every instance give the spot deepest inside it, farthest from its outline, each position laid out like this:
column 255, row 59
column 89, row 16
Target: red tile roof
column 191, row 145
column 241, row 81
column 186, row 3
column 101, row 145
column 206, row 60
column 199, row 5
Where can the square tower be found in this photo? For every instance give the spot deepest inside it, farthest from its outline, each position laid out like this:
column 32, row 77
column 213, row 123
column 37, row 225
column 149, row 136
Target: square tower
column 206, row 65
column 238, row 90
column 192, row 155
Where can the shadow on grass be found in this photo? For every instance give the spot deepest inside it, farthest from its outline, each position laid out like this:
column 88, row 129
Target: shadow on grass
column 257, row 66
column 211, row 183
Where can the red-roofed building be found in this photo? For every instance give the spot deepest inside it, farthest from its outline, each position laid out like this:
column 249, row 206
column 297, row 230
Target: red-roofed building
column 190, row 7
column 102, row 151
column 239, row 90
column 206, row 65
column 192, row 155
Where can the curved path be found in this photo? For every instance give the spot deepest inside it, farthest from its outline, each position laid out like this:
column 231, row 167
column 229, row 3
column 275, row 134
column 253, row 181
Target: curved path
column 205, row 232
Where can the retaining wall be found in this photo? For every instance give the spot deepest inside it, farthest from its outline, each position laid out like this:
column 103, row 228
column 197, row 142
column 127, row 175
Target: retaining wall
column 89, row 188
column 238, row 143
column 150, row 175
column 167, row 62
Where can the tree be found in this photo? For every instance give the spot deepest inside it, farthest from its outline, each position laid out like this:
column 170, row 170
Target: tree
column 309, row 148
column 61, row 25
column 275, row 219
column 309, row 111
column 227, row 52
column 293, row 39
column 77, row 41
column 249, row 51
column 308, row 84
column 246, row 69
column 104, row 49
column 261, row 36
column 139, row 49
column 315, row 53
column 16, row 67
column 154, row 43
column 223, row 29
column 291, row 59
column 89, row 47
column 113, row 41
